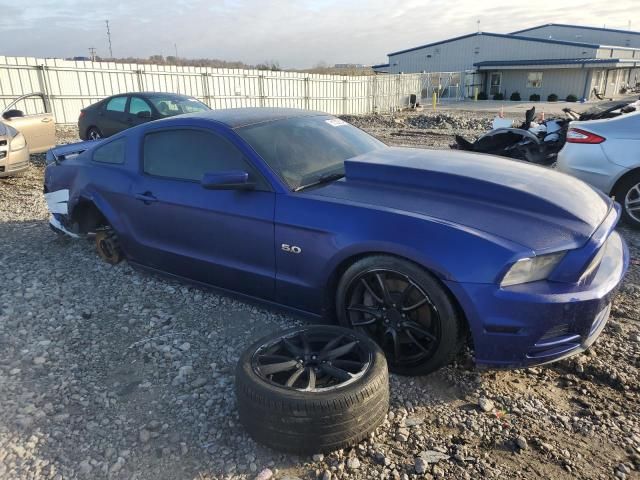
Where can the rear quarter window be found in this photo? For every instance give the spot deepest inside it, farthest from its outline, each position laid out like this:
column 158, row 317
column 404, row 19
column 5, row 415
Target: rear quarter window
column 112, row 152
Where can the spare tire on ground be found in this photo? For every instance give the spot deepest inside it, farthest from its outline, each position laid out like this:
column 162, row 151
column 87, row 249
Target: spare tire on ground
column 312, row 389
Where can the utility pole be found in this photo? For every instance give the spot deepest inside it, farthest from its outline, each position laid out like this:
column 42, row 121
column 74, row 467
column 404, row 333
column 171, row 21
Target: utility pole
column 92, row 53
column 109, row 38
column 175, row 47
column 478, row 22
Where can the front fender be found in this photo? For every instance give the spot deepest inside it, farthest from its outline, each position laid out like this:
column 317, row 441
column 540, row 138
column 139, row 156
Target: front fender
column 337, row 233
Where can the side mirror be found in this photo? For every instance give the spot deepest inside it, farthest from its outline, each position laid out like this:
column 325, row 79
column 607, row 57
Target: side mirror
column 227, row 180
column 9, row 114
column 144, row 114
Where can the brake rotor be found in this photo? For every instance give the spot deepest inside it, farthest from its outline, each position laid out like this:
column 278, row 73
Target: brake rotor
column 108, row 247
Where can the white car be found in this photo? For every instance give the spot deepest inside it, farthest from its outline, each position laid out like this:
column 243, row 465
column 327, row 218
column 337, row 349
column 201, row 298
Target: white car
column 606, row 154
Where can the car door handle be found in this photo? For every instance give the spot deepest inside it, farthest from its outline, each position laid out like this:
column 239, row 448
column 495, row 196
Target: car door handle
column 146, row 197
column 45, row 120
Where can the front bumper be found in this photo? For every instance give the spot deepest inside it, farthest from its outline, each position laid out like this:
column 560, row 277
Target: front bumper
column 12, row 163
column 545, row 321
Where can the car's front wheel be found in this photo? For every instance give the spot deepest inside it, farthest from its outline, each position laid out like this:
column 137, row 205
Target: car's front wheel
column 628, row 195
column 404, row 309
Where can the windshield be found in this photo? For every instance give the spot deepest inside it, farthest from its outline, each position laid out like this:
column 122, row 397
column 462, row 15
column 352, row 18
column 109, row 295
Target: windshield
column 306, row 150
column 172, row 105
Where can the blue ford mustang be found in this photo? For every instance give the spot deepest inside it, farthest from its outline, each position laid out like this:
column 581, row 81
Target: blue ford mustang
column 419, row 249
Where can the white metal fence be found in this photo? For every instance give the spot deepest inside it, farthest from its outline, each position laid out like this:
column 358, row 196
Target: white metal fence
column 72, row 85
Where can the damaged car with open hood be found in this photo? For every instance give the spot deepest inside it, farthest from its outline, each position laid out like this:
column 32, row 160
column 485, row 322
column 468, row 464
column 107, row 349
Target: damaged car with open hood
column 421, row 250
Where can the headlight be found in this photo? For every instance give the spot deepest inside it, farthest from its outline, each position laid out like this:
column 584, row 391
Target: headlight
column 18, row 142
column 531, row 269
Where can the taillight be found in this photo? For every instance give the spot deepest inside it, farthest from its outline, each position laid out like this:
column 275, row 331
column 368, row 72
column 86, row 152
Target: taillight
column 576, row 135
column 81, row 114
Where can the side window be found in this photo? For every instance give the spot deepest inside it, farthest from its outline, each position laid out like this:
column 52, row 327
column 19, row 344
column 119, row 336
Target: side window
column 189, row 154
column 112, row 152
column 116, row 104
column 32, row 105
column 137, row 105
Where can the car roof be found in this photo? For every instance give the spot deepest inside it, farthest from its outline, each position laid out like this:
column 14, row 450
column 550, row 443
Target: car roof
column 241, row 117
column 150, row 94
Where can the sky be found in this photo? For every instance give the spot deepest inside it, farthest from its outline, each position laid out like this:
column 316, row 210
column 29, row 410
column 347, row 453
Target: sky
column 295, row 33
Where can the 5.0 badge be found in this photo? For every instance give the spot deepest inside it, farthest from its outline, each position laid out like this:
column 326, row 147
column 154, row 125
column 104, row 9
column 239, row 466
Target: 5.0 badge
column 291, row 248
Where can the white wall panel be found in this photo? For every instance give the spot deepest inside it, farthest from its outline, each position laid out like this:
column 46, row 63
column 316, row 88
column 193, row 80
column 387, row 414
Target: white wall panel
column 72, row 85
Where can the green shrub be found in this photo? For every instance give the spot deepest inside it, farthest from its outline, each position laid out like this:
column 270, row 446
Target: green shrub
column 498, row 96
column 572, row 98
column 515, row 97
column 552, row 98
column 534, row 97
column 482, row 96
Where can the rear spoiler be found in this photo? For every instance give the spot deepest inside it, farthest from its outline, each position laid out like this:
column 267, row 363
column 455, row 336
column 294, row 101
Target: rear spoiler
column 62, row 152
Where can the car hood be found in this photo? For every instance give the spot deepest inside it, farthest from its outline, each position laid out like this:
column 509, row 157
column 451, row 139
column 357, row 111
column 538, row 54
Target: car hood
column 533, row 206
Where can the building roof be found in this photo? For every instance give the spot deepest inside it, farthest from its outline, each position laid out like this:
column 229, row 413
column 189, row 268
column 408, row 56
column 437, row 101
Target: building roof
column 500, row 35
column 381, row 65
column 601, row 29
column 553, row 61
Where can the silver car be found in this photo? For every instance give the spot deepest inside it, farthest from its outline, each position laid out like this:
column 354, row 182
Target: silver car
column 606, row 154
column 26, row 126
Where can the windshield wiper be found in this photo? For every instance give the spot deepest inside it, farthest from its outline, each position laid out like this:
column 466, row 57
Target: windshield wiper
column 330, row 177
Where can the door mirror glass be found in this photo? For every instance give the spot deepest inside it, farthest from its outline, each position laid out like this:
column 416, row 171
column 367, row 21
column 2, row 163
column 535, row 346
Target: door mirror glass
column 144, row 114
column 227, row 180
column 12, row 114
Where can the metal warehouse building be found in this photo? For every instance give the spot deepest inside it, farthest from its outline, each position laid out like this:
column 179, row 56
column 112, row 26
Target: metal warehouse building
column 549, row 59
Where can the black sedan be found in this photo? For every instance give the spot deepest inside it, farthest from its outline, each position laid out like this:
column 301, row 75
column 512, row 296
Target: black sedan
column 119, row 112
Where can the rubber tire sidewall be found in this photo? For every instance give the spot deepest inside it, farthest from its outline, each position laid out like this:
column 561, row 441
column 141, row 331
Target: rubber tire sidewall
column 451, row 329
column 621, row 193
column 312, row 422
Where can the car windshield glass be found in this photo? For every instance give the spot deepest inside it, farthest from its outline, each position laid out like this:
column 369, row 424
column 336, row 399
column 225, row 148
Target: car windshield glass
column 170, row 105
column 308, row 150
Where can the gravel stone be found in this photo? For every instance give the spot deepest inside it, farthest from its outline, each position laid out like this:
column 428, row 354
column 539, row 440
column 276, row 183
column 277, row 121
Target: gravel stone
column 420, row 466
column 353, row 463
column 522, row 443
column 485, row 404
column 265, row 474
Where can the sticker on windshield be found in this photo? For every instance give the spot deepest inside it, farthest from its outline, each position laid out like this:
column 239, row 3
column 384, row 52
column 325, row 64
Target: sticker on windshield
column 336, row 122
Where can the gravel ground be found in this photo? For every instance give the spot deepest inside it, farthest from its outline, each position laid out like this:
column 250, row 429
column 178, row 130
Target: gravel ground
column 106, row 372
column 423, row 129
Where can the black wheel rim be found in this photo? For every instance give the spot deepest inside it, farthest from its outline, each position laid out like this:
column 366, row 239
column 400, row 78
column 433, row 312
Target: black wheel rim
column 94, row 135
column 397, row 313
column 312, row 360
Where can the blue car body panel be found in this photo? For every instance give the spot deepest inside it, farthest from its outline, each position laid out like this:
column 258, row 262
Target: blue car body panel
column 465, row 217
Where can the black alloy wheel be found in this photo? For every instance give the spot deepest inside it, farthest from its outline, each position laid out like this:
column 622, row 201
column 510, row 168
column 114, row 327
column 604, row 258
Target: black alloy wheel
column 312, row 360
column 404, row 309
column 312, row 389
